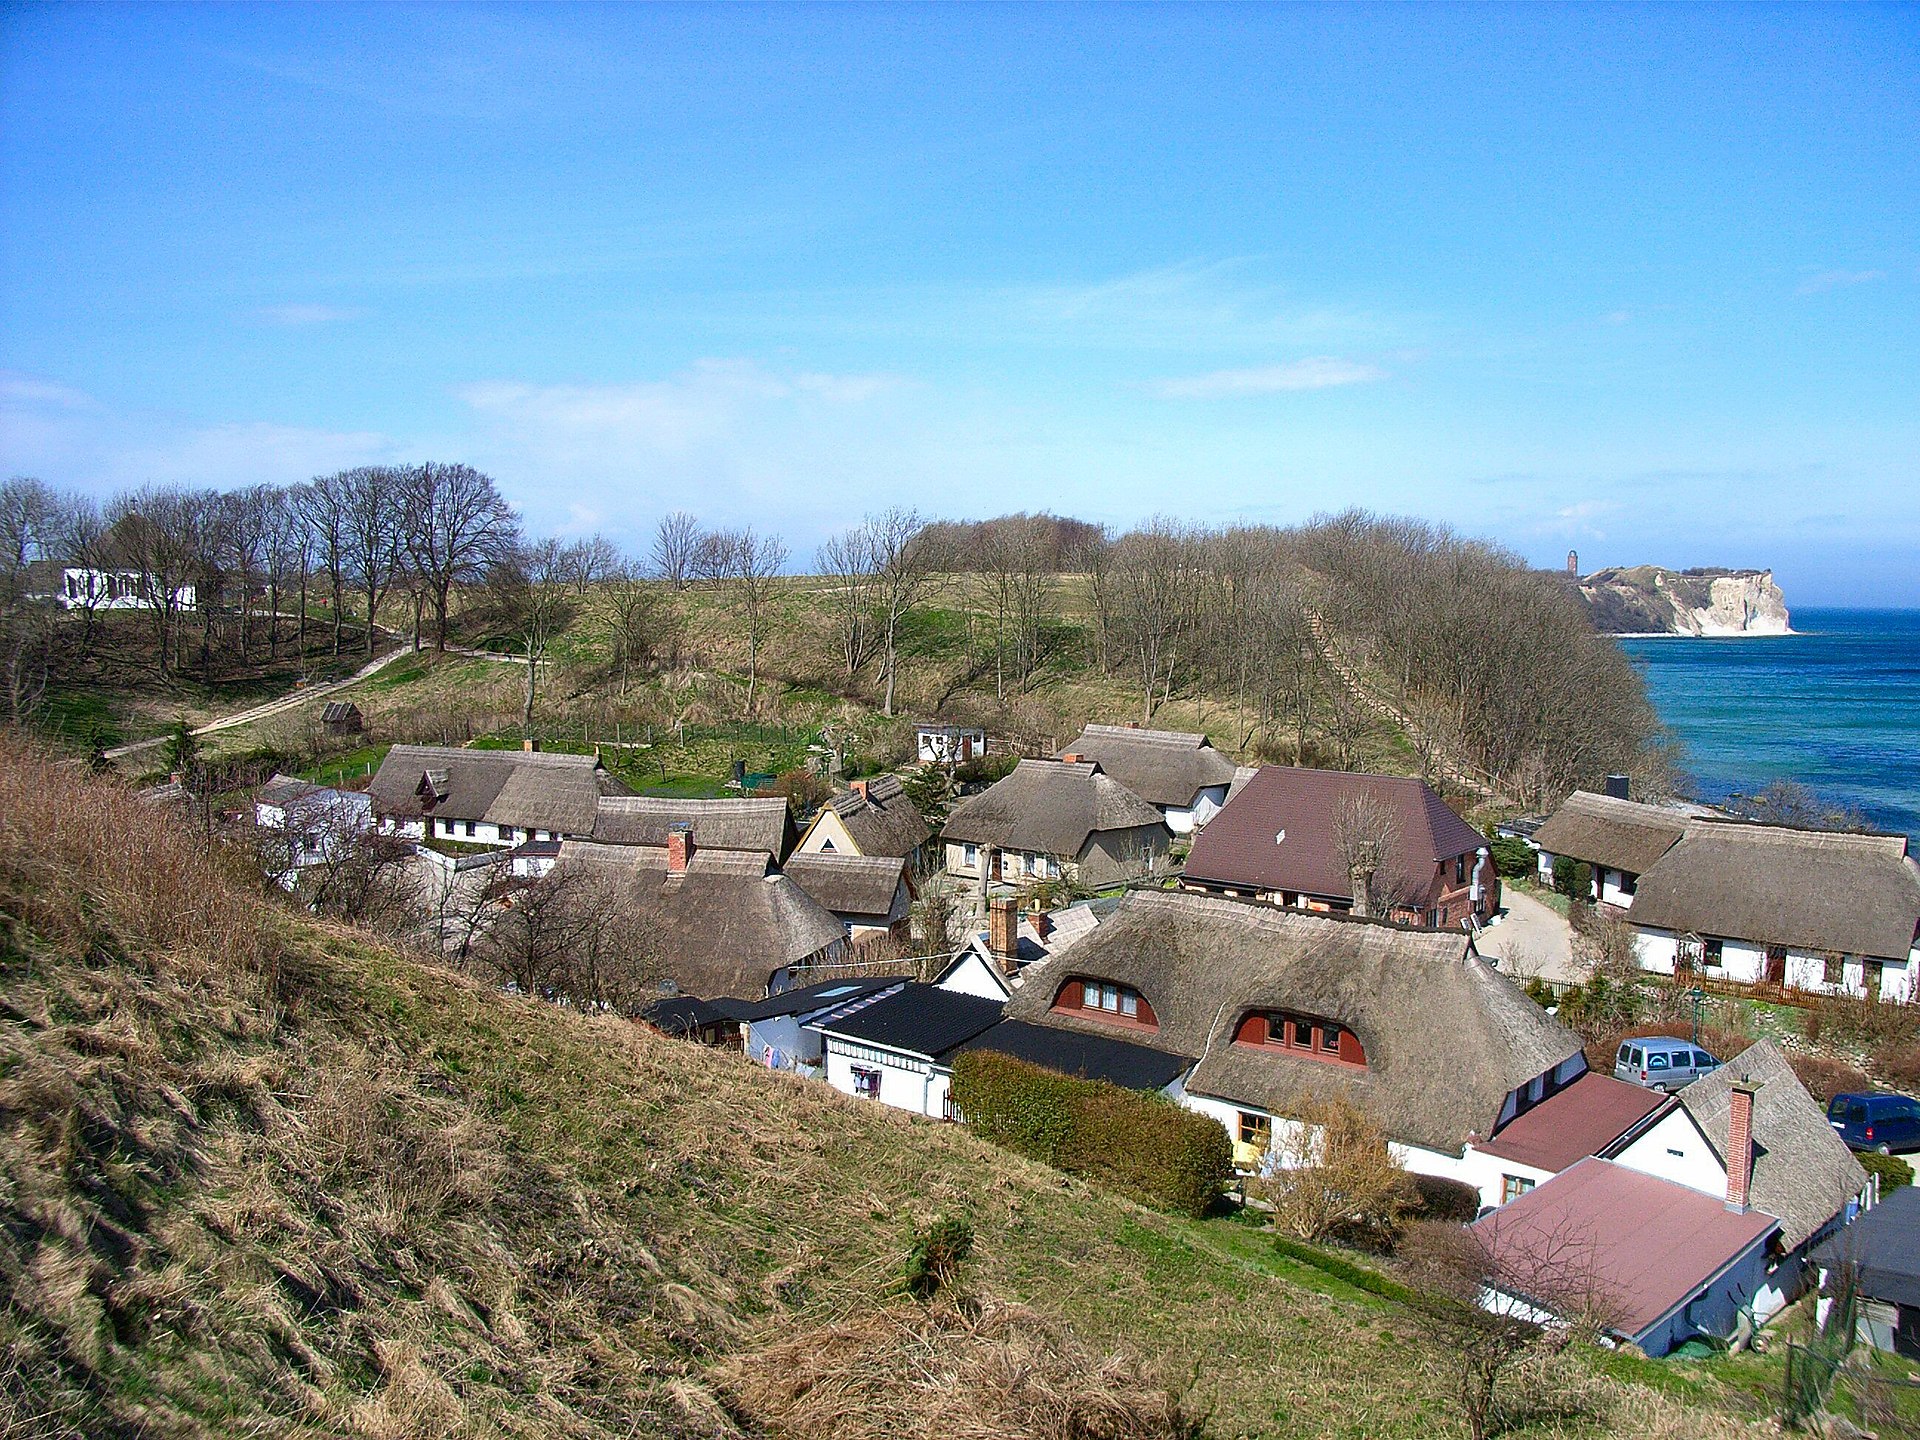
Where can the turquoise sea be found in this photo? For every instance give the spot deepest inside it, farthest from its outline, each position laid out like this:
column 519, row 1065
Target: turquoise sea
column 1834, row 706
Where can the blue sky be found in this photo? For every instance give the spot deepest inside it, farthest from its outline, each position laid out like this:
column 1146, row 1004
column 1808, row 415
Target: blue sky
column 1644, row 281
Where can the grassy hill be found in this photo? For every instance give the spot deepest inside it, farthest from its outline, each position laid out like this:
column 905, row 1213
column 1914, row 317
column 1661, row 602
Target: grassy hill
column 259, row 1176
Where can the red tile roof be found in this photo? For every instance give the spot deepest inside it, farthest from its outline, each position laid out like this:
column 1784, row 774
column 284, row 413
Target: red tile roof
column 1573, row 1123
column 1239, row 847
column 1650, row 1244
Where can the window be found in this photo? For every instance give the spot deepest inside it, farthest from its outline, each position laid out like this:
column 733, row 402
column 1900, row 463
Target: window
column 1512, row 1187
column 1833, row 969
column 1628, row 883
column 1460, row 870
column 469, row 827
column 1656, row 1060
column 1704, row 1061
column 1256, row 1130
column 1625, row 1056
column 1710, row 949
column 1330, row 1039
column 970, row 854
column 506, row 832
column 866, row 1083
column 1122, row 1004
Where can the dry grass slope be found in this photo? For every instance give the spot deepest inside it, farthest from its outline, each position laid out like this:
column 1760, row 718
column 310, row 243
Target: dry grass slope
column 260, row 1177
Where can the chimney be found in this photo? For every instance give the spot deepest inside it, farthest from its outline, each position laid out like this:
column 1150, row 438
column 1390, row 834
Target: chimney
column 1042, row 923
column 178, row 777
column 1071, row 758
column 1619, row 787
column 679, row 847
column 859, row 787
column 1003, row 930
column 1739, row 1144
column 529, row 745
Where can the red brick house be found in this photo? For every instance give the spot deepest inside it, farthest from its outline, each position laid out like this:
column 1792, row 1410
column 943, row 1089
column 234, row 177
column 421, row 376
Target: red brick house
column 1337, row 841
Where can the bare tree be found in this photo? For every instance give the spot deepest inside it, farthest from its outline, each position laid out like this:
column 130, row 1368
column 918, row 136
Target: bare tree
column 849, row 559
column 246, row 523
column 675, row 542
column 589, row 561
column 1330, row 1172
column 907, row 570
column 376, row 527
column 155, row 532
column 30, row 529
column 531, row 587
column 458, row 525
column 1152, row 576
column 749, row 564
column 323, row 504
column 639, row 619
column 1366, row 834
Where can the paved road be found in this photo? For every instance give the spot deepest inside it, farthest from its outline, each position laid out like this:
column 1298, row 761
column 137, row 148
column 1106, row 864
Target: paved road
column 1532, row 939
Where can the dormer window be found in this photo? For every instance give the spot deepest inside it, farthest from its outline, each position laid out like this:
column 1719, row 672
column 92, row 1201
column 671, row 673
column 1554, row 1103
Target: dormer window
column 1305, row 1035
column 1097, row 999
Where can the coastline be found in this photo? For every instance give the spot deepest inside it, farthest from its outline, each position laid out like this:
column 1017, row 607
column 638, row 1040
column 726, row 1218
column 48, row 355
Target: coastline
column 1719, row 635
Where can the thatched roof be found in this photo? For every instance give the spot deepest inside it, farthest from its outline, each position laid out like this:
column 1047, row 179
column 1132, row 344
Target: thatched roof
column 727, row 924
column 883, row 821
column 1446, row 1038
column 851, row 885
column 1282, row 831
column 1616, row 834
column 765, row 824
column 1162, row 767
column 1811, row 889
column 1049, row 808
column 282, row 791
column 1803, row 1173
column 528, row 789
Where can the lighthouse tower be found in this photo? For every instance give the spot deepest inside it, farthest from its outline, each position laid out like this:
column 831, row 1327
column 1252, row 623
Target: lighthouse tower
column 1573, row 563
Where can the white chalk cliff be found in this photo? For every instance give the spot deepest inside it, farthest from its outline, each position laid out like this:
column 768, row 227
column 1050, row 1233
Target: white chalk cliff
column 1648, row 599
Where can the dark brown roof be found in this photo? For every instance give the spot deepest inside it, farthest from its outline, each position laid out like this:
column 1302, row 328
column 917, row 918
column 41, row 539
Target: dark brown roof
column 1616, row 834
column 1858, row 894
column 765, row 825
column 726, row 925
column 339, row 710
column 883, row 821
column 1571, row 1124
column 528, row 789
column 1241, row 846
column 851, row 885
column 1446, row 1038
column 1050, row 809
column 1650, row 1244
column 1803, row 1173
column 1162, row 767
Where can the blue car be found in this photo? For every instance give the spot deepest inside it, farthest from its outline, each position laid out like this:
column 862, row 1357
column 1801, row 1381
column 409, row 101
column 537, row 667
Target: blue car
column 1885, row 1123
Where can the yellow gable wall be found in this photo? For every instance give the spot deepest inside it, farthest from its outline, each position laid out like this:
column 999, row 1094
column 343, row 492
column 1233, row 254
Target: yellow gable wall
column 827, row 833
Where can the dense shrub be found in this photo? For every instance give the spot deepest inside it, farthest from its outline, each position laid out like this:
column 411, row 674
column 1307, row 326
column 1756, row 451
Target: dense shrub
column 1443, row 1199
column 1513, row 859
column 934, row 1258
column 1143, row 1146
column 1892, row 1170
column 1866, row 1024
column 1825, row 1078
column 1572, row 877
column 1899, row 1065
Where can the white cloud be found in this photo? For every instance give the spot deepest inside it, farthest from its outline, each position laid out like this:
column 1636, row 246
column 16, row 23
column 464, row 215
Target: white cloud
column 1318, row 372
column 1838, row 280
column 298, row 315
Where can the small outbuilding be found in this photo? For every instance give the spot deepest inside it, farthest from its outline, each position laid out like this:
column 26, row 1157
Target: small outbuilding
column 342, row 717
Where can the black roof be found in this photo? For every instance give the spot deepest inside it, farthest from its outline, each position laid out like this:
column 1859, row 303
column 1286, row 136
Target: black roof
column 1091, row 1057
column 1885, row 1243
column 816, row 997
column 921, row 1019
column 684, row 1014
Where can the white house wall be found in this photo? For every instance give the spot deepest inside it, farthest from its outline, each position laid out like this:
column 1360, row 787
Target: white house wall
column 1745, row 961
column 1674, row 1149
column 905, row 1083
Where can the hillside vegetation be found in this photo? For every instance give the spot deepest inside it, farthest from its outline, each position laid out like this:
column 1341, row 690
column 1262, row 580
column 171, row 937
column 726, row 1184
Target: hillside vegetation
column 260, row 1176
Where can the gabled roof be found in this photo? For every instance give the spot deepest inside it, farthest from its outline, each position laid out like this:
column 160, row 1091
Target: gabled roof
column 1649, row 1244
column 1812, row 889
column 1162, row 767
column 1802, row 1172
column 283, row 790
column 859, row 885
column 1089, row 1057
column 920, row 1019
column 1446, row 1037
column 1049, row 808
column 684, row 1014
column 1241, row 846
column 339, row 710
column 1885, row 1244
column 529, row 789
column 1617, row 834
column 741, row 823
column 883, row 821
column 727, row 924
column 1572, row 1123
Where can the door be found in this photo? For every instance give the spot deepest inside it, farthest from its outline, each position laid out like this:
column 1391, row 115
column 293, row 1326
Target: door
column 1776, row 965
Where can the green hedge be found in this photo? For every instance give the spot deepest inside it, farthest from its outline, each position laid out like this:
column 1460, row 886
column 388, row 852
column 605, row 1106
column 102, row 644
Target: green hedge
column 1144, row 1146
column 1892, row 1170
column 1358, row 1276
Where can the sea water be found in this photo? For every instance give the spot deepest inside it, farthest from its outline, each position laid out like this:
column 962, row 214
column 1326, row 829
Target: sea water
column 1834, row 706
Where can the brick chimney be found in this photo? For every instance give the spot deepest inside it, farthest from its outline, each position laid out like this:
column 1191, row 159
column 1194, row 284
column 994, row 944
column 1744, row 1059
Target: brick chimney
column 859, row 787
column 1042, row 923
column 529, row 745
column 1003, row 930
column 1740, row 1144
column 1071, row 758
column 679, row 847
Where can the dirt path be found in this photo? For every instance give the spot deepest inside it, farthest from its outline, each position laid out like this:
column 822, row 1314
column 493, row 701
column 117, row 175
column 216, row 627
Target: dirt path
column 269, row 708
column 1531, row 940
